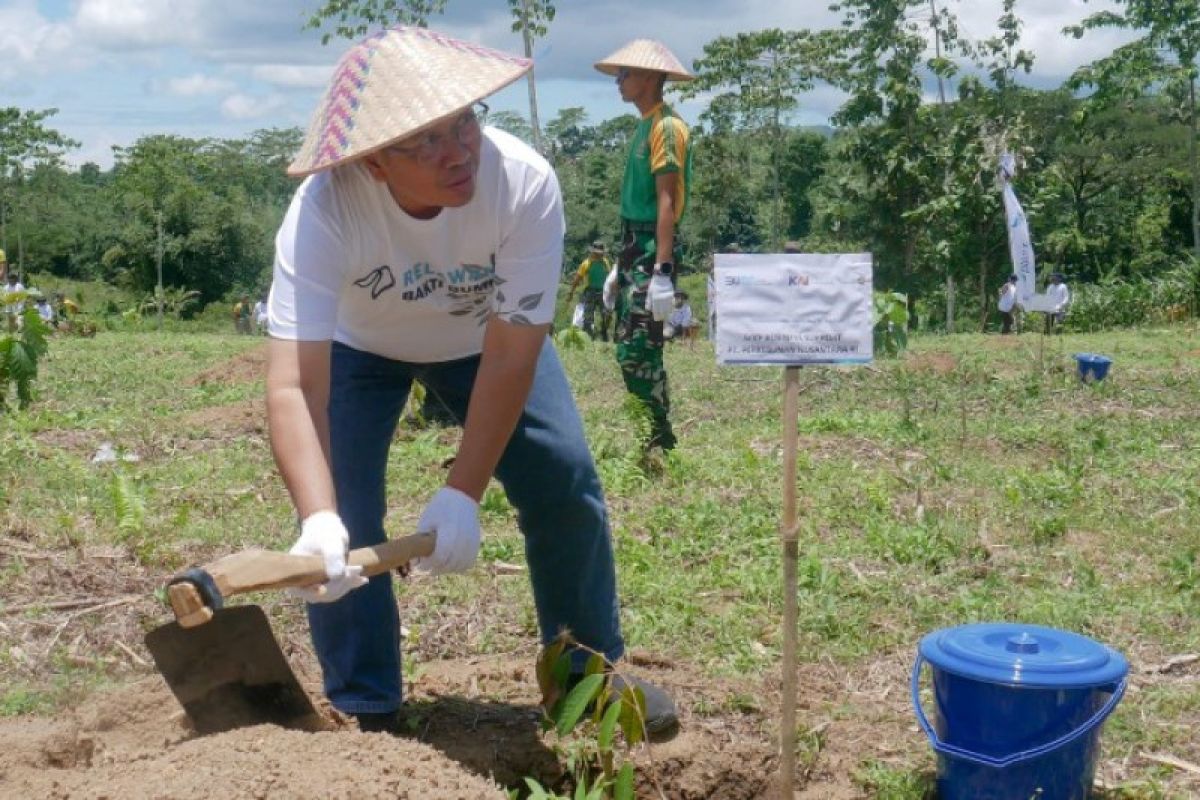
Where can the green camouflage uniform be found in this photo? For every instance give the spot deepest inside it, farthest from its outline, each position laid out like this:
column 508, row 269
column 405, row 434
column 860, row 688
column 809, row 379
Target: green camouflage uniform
column 639, row 337
column 659, row 145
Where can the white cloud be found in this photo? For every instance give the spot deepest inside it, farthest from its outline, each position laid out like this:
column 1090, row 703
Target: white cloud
column 29, row 42
column 241, row 106
column 125, row 25
column 293, row 76
column 197, row 85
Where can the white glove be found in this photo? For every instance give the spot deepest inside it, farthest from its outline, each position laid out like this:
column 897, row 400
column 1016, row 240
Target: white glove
column 610, row 290
column 660, row 296
column 323, row 534
column 454, row 517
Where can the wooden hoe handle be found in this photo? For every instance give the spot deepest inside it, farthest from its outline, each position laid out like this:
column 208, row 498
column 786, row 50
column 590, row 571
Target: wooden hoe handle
column 195, row 594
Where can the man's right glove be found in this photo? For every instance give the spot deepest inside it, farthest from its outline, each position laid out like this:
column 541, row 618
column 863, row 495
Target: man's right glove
column 454, row 517
column 660, row 296
column 323, row 534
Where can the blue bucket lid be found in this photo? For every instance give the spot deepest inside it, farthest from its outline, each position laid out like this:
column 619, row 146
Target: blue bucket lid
column 1023, row 655
column 1094, row 358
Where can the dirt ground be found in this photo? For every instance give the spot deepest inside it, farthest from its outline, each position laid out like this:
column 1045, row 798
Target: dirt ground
column 473, row 731
column 473, row 724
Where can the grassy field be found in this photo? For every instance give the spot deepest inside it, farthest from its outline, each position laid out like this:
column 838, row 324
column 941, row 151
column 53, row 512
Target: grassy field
column 975, row 479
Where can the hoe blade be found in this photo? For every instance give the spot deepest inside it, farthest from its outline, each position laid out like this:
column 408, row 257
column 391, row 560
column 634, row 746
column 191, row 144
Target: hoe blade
column 229, row 672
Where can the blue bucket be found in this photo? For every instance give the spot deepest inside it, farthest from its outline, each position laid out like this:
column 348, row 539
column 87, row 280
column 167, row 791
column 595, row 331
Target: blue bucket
column 1019, row 709
column 1092, row 367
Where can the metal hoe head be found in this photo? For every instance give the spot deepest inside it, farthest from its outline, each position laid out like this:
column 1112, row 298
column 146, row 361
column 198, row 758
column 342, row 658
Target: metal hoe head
column 230, row 672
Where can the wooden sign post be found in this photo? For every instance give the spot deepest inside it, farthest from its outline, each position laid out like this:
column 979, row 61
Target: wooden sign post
column 792, row 309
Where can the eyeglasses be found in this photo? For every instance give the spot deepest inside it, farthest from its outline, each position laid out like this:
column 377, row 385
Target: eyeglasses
column 623, row 73
column 426, row 148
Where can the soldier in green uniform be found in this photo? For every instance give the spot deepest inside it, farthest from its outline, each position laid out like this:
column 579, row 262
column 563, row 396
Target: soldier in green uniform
column 591, row 272
column 653, row 198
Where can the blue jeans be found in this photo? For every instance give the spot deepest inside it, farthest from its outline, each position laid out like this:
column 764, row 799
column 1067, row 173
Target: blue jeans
column 546, row 471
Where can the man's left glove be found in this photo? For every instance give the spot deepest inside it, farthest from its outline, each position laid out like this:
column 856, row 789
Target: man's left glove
column 660, row 294
column 454, row 517
column 323, row 534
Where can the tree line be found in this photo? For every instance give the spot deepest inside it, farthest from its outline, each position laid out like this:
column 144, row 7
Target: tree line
column 906, row 169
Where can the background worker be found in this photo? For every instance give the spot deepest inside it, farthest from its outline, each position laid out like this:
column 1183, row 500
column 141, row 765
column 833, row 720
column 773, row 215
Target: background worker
column 592, row 271
column 425, row 246
column 243, row 314
column 680, row 321
column 654, row 194
column 1060, row 295
column 1007, row 304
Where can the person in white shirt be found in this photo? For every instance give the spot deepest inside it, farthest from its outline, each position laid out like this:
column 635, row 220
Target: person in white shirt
column 1061, row 295
column 1007, row 304
column 260, row 314
column 425, row 246
column 11, row 286
column 680, row 319
column 45, row 310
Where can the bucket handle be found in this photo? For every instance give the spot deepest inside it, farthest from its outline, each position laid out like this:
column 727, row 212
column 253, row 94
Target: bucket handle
column 1015, row 758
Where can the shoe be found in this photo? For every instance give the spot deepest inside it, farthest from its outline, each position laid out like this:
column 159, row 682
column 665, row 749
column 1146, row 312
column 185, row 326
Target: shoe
column 383, row 722
column 662, row 718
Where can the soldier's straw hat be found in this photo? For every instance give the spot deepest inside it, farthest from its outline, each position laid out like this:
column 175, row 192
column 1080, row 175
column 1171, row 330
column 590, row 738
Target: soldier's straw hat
column 396, row 83
column 646, row 54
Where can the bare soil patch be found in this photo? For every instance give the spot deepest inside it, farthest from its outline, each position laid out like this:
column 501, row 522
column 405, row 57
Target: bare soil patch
column 245, row 367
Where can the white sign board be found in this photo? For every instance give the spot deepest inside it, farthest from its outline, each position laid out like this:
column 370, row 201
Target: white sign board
column 793, row 309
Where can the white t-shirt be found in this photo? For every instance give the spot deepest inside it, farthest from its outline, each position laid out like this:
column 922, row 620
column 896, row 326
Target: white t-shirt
column 13, row 308
column 1060, row 294
column 680, row 317
column 352, row 266
column 1008, row 297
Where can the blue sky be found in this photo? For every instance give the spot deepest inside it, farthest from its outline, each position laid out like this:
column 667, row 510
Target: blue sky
column 121, row 69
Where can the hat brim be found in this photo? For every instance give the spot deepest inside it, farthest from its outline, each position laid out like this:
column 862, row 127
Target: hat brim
column 612, row 67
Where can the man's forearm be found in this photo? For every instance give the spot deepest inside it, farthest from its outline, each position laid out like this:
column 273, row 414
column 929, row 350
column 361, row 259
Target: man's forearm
column 300, row 447
column 501, row 388
column 664, row 236
column 298, row 420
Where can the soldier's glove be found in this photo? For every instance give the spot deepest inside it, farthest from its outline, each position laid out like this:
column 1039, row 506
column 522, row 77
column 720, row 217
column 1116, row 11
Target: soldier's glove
column 610, row 290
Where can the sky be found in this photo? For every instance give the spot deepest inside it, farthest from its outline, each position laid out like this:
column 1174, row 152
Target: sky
column 118, row 70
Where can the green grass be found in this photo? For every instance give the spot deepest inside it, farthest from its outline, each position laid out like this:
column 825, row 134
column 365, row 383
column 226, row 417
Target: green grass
column 975, row 479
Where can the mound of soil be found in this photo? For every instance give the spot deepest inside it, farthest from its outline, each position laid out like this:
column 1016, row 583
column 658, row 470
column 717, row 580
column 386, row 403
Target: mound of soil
column 134, row 743
column 473, row 730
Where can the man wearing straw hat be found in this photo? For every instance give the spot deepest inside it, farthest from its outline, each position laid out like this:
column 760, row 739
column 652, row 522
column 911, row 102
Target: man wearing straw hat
column 593, row 270
column 423, row 246
column 653, row 198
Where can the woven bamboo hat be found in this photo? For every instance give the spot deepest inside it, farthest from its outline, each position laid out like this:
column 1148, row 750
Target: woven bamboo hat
column 646, row 54
column 394, row 84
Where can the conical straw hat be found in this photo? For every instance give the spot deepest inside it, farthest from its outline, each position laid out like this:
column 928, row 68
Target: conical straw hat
column 394, row 84
column 646, row 54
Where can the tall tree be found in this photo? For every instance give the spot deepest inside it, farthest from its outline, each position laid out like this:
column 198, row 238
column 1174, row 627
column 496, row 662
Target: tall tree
column 1166, row 52
column 758, row 77
column 25, row 143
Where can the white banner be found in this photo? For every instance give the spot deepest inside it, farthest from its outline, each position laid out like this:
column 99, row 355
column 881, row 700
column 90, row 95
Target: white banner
column 1020, row 246
column 793, row 309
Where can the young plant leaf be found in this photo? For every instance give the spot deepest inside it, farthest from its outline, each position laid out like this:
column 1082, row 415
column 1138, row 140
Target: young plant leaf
column 633, row 715
column 623, row 789
column 577, row 702
column 608, row 725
